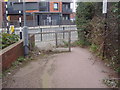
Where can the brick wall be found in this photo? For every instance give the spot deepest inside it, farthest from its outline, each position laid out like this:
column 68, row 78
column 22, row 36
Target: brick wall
column 16, row 17
column 52, row 7
column 13, row 52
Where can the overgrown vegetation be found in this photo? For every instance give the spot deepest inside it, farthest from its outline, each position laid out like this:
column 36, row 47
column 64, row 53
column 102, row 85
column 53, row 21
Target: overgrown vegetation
column 94, row 48
column 66, row 44
column 85, row 13
column 7, row 39
column 16, row 64
column 80, row 43
column 91, row 29
column 111, row 83
column 18, row 61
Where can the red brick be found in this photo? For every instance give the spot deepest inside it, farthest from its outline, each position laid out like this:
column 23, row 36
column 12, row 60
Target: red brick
column 11, row 55
column 52, row 7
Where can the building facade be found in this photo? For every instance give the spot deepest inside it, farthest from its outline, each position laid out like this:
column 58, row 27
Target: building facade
column 40, row 13
column 2, row 12
column 1, row 17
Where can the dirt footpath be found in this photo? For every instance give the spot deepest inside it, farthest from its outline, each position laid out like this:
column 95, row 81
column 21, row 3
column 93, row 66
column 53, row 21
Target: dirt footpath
column 65, row 70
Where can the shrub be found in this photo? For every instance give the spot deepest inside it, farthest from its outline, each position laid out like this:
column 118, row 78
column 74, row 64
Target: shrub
column 7, row 39
column 80, row 43
column 93, row 48
column 84, row 14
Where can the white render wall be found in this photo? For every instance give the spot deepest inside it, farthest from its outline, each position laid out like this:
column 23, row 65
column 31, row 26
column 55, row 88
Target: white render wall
column 73, row 5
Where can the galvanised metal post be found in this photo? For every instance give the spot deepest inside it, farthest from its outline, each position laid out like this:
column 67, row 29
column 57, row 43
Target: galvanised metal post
column 56, row 39
column 63, row 32
column 25, row 31
column 24, row 12
column 41, row 33
column 69, row 41
column 26, row 49
column 105, row 17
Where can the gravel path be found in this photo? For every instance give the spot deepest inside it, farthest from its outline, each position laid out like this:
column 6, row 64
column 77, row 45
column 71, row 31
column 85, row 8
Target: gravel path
column 65, row 70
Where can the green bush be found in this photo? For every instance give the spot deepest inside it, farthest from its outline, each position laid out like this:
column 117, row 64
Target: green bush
column 66, row 44
column 21, row 59
column 84, row 14
column 94, row 48
column 7, row 39
column 80, row 43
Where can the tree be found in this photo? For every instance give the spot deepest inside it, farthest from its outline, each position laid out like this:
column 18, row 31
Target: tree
column 84, row 14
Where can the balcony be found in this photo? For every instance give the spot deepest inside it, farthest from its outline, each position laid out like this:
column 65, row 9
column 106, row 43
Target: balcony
column 66, row 8
column 43, row 8
column 66, row 11
column 28, row 5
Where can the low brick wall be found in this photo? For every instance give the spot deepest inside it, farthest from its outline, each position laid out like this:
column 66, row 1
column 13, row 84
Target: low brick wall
column 13, row 52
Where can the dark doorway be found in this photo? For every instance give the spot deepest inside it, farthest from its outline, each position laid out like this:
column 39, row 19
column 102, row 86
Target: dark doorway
column 38, row 20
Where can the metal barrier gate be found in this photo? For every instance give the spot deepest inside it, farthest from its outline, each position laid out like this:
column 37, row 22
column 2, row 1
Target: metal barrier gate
column 54, row 37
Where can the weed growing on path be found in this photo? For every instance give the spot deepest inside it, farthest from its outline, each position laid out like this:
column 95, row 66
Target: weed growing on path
column 113, row 83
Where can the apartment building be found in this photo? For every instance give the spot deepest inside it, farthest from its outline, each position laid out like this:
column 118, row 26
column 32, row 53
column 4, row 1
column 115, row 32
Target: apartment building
column 2, row 12
column 41, row 13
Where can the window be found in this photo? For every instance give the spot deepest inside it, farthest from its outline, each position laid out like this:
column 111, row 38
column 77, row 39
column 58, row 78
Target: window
column 55, row 6
column 66, row 17
column 11, row 3
column 42, row 3
column 66, row 6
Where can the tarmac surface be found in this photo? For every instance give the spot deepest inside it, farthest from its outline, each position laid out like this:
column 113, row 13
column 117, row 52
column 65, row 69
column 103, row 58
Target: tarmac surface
column 76, row 69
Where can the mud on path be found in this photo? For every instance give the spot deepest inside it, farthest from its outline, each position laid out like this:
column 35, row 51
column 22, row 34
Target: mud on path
column 65, row 70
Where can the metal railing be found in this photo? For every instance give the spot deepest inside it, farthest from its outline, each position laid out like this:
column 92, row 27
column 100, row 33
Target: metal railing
column 33, row 23
column 54, row 36
column 68, row 10
column 59, row 38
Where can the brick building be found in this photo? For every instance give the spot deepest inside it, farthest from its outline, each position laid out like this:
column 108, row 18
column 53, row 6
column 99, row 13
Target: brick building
column 0, row 14
column 2, row 11
column 72, row 16
column 41, row 13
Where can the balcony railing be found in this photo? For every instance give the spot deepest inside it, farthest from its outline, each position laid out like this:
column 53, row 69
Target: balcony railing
column 43, row 8
column 64, row 10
